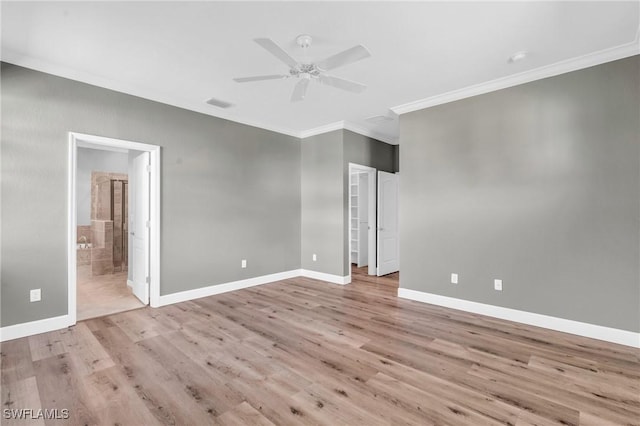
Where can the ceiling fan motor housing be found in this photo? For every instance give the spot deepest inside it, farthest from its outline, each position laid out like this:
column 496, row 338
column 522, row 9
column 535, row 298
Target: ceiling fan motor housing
column 305, row 71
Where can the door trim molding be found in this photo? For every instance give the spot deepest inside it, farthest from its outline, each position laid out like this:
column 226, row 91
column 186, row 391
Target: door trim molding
column 80, row 140
column 371, row 248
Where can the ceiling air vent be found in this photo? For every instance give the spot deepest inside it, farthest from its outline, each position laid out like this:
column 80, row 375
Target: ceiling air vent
column 218, row 103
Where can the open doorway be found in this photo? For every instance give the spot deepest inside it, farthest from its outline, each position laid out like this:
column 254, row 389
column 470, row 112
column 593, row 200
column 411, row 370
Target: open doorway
column 113, row 226
column 373, row 225
column 102, row 212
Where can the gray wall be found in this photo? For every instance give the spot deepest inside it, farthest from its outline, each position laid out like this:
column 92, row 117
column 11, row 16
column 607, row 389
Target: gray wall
column 537, row 185
column 99, row 161
column 323, row 203
column 325, row 192
column 229, row 191
column 364, row 151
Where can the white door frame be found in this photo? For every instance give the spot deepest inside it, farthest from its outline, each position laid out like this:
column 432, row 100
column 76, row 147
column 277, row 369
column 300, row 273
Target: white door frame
column 371, row 249
column 79, row 140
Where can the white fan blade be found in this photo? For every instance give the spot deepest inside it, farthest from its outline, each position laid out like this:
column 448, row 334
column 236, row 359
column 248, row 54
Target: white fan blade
column 341, row 83
column 260, row 78
column 300, row 91
column 354, row 54
column 276, row 51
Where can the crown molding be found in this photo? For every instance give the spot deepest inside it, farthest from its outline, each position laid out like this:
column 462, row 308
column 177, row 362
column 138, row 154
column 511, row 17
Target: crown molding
column 562, row 67
column 62, row 71
column 574, row 64
column 370, row 133
column 345, row 125
column 36, row 64
column 338, row 125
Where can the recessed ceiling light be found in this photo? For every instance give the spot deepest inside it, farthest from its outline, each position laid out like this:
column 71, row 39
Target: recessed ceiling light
column 518, row 56
column 218, row 103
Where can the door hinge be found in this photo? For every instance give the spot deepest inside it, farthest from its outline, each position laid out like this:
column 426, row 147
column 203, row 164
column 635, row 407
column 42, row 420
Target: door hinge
column 147, row 280
column 148, row 224
column 148, row 167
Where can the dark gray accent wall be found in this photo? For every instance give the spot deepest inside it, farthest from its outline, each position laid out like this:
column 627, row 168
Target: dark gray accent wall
column 367, row 151
column 537, row 185
column 396, row 158
column 364, row 151
column 322, row 203
column 229, row 191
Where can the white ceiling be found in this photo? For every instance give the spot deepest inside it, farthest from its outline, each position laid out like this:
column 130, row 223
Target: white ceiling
column 184, row 53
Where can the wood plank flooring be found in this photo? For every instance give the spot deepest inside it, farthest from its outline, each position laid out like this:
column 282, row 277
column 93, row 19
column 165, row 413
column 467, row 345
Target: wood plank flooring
column 302, row 351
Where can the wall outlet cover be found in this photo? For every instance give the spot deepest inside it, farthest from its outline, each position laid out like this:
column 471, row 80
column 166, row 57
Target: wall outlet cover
column 314, row 257
column 244, row 263
column 454, row 278
column 497, row 284
column 35, row 295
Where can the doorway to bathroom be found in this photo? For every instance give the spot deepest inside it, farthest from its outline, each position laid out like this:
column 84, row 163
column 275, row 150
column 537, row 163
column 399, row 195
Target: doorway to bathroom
column 113, row 226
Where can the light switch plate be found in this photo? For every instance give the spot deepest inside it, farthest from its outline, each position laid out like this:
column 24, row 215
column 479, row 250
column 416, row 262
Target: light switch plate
column 244, row 263
column 454, row 278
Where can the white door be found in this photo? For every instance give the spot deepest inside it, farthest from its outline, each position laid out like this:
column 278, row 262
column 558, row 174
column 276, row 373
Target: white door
column 388, row 242
column 140, row 224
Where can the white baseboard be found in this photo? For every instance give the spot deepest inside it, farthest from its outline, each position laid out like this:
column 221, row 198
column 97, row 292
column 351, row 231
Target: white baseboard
column 614, row 335
column 129, row 283
column 335, row 279
column 17, row 331
column 197, row 293
column 56, row 323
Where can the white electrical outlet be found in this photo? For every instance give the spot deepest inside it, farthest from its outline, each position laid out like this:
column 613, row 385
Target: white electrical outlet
column 497, row 284
column 35, row 295
column 244, row 263
column 454, row 278
column 314, row 257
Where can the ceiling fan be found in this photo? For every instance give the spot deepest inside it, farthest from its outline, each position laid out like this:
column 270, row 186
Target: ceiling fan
column 307, row 71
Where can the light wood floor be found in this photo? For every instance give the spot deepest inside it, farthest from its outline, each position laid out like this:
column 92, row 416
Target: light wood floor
column 102, row 295
column 361, row 276
column 302, row 351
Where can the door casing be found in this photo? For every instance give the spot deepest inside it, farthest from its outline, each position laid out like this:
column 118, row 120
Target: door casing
column 371, row 192
column 80, row 140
